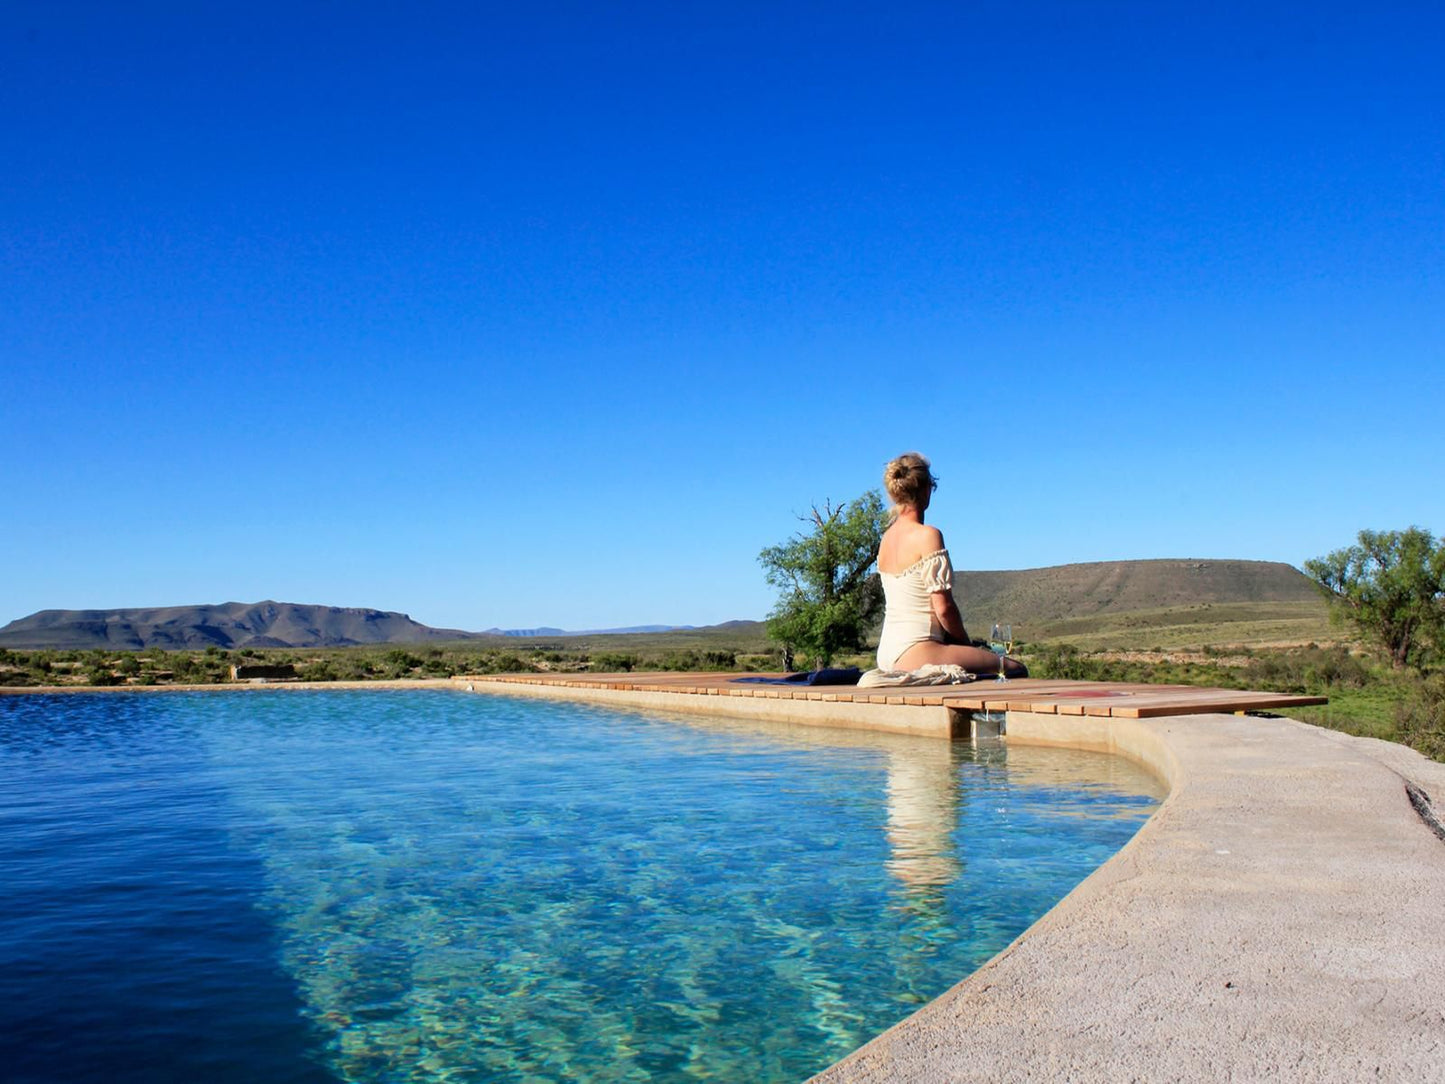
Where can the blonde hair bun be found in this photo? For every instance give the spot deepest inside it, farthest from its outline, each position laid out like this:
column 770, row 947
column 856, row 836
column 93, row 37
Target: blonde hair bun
column 908, row 480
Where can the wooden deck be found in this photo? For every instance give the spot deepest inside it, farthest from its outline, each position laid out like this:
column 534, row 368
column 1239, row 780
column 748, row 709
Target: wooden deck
column 1116, row 699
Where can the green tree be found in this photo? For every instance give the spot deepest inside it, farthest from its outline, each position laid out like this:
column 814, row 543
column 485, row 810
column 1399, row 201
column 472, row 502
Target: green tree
column 1391, row 586
column 830, row 592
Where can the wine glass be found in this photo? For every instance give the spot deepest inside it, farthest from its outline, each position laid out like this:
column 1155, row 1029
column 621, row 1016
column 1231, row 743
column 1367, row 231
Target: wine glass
column 1002, row 641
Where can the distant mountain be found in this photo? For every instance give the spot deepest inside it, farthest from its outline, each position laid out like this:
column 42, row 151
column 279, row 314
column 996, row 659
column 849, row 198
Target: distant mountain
column 635, row 628
column 242, row 624
column 1023, row 597
column 532, row 634
column 1083, row 590
column 229, row 625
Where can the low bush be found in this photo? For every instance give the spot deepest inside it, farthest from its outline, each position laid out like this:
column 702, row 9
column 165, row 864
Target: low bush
column 1420, row 717
column 762, row 661
column 321, row 670
column 699, row 660
column 505, row 662
column 1308, row 670
column 610, row 662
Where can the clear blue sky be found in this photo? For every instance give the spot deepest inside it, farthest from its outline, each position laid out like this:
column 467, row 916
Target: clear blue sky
column 557, row 314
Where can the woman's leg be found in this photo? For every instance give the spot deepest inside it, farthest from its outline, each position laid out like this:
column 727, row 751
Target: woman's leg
column 978, row 660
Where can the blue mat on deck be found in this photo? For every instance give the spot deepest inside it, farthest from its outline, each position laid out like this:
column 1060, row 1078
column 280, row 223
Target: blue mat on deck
column 847, row 675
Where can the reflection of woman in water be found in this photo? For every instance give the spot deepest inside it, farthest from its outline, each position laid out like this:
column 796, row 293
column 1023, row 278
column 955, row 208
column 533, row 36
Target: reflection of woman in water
column 921, row 622
column 923, row 815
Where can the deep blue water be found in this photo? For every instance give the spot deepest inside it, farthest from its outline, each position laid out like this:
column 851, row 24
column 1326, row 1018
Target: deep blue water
column 430, row 886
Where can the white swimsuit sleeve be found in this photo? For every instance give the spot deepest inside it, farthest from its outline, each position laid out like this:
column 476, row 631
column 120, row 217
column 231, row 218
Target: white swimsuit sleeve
column 937, row 573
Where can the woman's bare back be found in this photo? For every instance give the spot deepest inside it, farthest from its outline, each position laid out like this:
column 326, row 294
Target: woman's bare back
column 904, row 543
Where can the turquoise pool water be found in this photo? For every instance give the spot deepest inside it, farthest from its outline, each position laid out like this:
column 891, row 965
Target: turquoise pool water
column 431, row 886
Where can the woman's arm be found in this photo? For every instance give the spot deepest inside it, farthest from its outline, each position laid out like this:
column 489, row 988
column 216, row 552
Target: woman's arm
column 946, row 610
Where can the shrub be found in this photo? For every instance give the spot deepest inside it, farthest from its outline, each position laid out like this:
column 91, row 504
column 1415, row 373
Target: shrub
column 771, row 660
column 1420, row 718
column 1063, row 662
column 612, row 662
column 1307, row 670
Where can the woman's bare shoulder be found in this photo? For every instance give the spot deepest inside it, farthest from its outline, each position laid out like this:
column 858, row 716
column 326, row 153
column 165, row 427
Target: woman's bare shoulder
column 929, row 538
column 905, row 543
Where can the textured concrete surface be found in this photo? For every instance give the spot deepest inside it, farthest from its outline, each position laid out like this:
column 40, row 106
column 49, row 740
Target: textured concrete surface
column 1279, row 918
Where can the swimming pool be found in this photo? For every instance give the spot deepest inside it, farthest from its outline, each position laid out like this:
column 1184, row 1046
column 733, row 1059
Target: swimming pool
column 416, row 886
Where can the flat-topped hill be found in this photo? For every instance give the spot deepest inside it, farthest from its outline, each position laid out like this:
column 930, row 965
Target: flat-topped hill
column 1037, row 595
column 1145, row 605
column 229, row 625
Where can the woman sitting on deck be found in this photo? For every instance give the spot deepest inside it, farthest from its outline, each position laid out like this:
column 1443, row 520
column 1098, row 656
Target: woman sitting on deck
column 921, row 622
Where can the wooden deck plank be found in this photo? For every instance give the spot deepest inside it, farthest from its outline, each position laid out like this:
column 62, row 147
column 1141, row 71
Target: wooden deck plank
column 1043, row 696
column 1255, row 703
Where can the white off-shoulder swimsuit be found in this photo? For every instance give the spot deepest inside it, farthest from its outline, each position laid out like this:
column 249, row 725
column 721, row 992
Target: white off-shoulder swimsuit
column 908, row 617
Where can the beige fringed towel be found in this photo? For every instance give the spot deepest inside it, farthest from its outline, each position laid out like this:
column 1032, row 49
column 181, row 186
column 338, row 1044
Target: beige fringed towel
column 929, row 674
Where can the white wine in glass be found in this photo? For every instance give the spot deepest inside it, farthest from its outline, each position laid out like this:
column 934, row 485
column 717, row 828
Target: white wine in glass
column 1001, row 641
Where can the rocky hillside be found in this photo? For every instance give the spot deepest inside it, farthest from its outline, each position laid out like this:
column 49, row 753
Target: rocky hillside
column 1067, row 591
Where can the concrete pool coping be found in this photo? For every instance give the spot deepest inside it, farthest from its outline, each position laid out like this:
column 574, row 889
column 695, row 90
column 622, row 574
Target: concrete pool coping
column 1277, row 918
